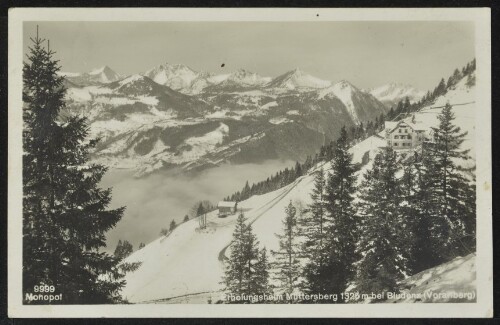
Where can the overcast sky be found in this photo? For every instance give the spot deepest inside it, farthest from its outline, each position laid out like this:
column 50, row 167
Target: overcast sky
column 368, row 54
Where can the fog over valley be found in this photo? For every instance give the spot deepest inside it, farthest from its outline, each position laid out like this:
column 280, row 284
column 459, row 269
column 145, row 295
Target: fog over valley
column 152, row 202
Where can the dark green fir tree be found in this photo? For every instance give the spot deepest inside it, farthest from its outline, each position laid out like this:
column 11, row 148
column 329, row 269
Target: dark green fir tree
column 313, row 226
column 261, row 278
column 173, row 225
column 244, row 269
column 123, row 249
column 454, row 192
column 287, row 263
column 65, row 213
column 381, row 245
column 423, row 225
column 343, row 223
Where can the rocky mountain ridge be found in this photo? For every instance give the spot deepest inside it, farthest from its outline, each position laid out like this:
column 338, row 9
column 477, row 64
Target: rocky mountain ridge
column 155, row 120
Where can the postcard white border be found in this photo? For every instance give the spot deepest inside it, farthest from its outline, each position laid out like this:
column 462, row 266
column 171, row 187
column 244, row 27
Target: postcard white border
column 484, row 259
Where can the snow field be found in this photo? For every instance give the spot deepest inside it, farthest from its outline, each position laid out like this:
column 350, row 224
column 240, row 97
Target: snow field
column 443, row 283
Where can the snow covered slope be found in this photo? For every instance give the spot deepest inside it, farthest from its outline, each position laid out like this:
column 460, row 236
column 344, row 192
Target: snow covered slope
column 188, row 262
column 454, row 281
column 462, row 98
column 187, row 265
column 359, row 104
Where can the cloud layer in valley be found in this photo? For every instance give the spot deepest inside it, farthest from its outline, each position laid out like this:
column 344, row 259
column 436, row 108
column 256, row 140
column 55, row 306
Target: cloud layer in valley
column 154, row 201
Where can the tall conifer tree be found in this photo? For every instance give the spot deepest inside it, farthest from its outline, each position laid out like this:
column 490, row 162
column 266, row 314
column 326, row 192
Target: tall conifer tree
column 314, row 225
column 234, row 278
column 381, row 245
column 65, row 213
column 261, row 277
column 424, row 226
column 455, row 193
column 342, row 221
column 246, row 269
column 287, row 257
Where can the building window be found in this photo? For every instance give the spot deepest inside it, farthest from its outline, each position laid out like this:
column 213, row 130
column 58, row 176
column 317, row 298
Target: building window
column 396, row 137
column 396, row 144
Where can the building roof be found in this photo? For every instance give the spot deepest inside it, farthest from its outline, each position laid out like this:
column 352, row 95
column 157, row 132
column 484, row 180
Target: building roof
column 391, row 126
column 226, row 204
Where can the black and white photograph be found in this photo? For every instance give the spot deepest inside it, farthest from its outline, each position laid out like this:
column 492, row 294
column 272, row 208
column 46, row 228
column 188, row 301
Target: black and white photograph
column 163, row 163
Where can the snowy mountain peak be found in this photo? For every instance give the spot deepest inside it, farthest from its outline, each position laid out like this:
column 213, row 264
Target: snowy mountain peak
column 357, row 102
column 215, row 79
column 130, row 79
column 175, row 76
column 136, row 85
column 104, row 74
column 177, row 67
column 391, row 87
column 392, row 93
column 242, row 73
column 297, row 72
column 296, row 79
column 342, row 90
column 245, row 77
column 343, row 85
column 97, row 76
column 100, row 70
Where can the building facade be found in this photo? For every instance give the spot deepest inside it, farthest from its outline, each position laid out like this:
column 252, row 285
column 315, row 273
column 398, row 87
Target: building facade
column 226, row 208
column 404, row 135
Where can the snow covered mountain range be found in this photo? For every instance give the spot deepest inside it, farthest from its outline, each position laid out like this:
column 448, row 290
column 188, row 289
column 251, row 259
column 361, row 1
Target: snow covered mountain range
column 97, row 76
column 166, row 274
column 172, row 116
column 392, row 93
column 296, row 80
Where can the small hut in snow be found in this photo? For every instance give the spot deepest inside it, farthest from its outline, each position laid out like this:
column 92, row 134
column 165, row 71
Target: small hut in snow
column 226, row 208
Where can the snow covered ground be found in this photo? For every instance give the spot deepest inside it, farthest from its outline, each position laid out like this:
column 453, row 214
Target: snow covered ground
column 186, row 266
column 188, row 261
column 454, row 281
